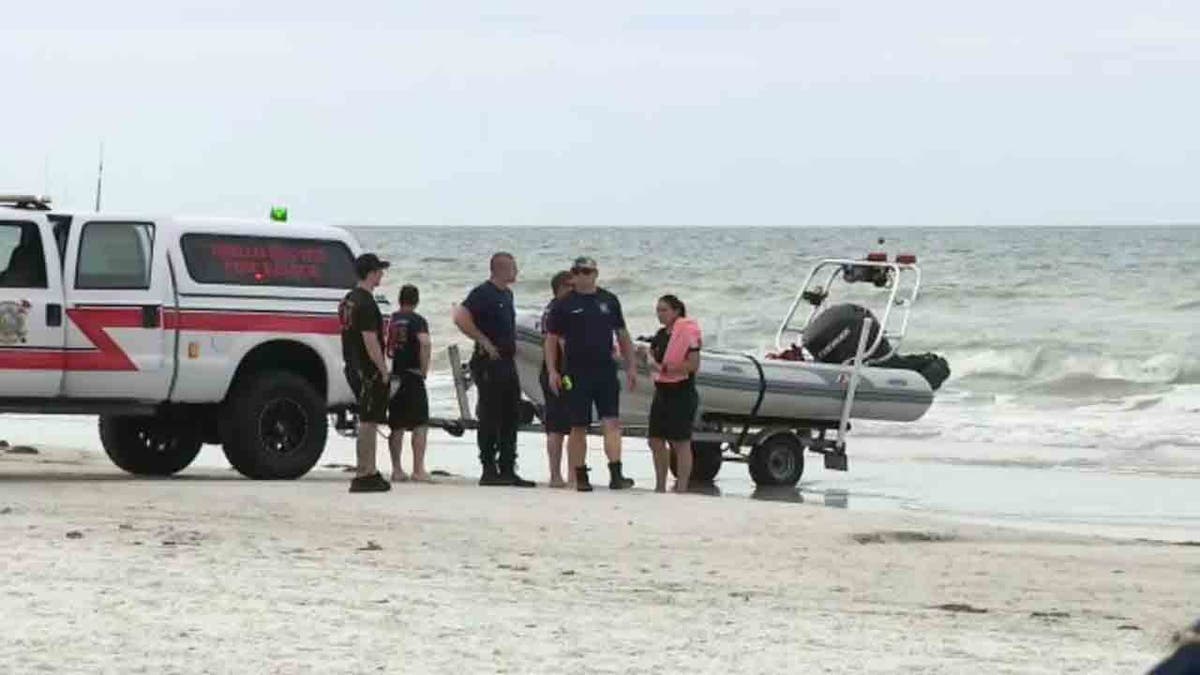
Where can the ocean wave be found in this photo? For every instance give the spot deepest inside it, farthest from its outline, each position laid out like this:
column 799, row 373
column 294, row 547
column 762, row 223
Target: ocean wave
column 1187, row 304
column 1087, row 385
column 1055, row 371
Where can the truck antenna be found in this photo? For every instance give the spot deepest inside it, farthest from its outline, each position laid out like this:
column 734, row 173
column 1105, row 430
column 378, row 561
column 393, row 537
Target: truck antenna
column 100, row 176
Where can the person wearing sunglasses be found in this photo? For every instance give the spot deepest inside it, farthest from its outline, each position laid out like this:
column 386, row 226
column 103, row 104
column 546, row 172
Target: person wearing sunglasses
column 585, row 321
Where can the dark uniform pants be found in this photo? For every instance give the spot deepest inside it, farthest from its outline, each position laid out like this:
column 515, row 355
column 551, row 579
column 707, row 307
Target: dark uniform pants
column 498, row 410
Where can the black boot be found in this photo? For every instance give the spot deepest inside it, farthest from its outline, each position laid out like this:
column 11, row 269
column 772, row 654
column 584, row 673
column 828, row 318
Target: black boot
column 510, row 477
column 581, row 479
column 491, row 476
column 616, row 481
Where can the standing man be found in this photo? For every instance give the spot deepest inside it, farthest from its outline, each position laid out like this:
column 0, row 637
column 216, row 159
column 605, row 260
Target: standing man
column 366, row 368
column 489, row 318
column 585, row 321
column 408, row 346
column 556, row 414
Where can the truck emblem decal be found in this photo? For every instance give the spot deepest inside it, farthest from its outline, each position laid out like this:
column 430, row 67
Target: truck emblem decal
column 12, row 321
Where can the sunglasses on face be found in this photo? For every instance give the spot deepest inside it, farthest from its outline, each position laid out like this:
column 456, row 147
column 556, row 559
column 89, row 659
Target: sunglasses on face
column 584, row 271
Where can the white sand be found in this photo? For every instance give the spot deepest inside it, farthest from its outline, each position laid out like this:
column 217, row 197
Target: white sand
column 213, row 573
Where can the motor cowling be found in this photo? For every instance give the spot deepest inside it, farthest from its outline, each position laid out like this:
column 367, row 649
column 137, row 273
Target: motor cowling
column 832, row 335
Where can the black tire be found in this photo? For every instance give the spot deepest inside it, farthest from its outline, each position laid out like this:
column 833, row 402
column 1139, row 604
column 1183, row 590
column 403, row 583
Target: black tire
column 706, row 462
column 527, row 411
column 777, row 460
column 149, row 446
column 274, row 426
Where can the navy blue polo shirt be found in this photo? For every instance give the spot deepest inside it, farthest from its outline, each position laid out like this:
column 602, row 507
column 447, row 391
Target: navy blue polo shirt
column 587, row 323
column 495, row 316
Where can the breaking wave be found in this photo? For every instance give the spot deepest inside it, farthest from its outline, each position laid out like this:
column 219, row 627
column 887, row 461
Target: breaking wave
column 1055, row 372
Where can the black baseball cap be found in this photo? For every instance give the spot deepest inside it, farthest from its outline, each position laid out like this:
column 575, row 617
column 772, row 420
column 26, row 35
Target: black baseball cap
column 367, row 263
column 583, row 262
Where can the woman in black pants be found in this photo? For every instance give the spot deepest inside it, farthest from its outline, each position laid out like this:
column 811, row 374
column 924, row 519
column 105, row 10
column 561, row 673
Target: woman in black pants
column 674, row 359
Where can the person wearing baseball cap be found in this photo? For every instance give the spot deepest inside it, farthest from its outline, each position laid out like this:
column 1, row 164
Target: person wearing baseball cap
column 585, row 321
column 366, row 368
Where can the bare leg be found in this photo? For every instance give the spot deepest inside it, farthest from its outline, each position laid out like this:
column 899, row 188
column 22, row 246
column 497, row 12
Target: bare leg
column 365, row 449
column 419, row 436
column 683, row 464
column 662, row 463
column 612, row 439
column 395, row 446
column 554, row 450
column 577, row 449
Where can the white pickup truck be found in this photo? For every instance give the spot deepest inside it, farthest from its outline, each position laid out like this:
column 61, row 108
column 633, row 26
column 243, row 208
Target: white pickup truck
column 176, row 332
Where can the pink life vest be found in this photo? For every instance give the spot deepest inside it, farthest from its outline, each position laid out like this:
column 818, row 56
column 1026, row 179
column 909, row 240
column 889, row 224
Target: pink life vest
column 685, row 338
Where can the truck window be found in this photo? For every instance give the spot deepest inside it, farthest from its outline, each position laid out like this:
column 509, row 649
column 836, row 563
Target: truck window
column 268, row 261
column 114, row 256
column 22, row 259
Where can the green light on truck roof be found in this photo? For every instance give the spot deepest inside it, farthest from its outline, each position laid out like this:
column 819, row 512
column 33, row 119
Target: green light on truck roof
column 279, row 214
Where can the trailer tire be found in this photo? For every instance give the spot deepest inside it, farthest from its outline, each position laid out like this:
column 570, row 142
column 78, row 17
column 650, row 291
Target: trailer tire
column 274, row 426
column 149, row 445
column 706, row 462
column 777, row 459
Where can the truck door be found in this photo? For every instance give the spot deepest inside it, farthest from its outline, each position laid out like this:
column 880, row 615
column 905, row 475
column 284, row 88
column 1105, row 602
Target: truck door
column 31, row 309
column 117, row 288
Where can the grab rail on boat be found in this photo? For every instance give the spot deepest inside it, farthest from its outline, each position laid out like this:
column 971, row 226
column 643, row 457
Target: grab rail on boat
column 897, row 271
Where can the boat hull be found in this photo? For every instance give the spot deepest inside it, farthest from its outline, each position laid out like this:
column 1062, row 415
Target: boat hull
column 730, row 385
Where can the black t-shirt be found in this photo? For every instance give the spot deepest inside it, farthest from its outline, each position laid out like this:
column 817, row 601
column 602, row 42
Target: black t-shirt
column 495, row 316
column 586, row 322
column 403, row 346
column 358, row 313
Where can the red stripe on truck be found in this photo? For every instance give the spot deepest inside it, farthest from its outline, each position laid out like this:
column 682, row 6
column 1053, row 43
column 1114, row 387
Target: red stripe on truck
column 107, row 356
column 252, row 322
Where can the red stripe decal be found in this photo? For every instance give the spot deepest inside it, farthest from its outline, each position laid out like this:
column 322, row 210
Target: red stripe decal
column 109, row 357
column 251, row 322
column 30, row 359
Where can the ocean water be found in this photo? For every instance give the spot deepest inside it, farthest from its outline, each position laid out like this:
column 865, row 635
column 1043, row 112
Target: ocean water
column 1070, row 348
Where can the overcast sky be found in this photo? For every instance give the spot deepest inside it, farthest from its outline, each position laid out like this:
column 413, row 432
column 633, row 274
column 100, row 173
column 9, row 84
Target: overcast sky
column 613, row 113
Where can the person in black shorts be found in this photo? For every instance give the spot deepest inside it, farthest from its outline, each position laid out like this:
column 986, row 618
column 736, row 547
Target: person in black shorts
column 556, row 415
column 408, row 346
column 366, row 367
column 488, row 317
column 674, row 360
column 585, row 321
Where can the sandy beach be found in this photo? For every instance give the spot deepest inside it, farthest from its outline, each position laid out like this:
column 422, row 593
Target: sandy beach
column 208, row 572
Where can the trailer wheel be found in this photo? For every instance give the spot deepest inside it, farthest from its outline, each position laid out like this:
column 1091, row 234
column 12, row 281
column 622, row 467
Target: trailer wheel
column 527, row 411
column 274, row 426
column 777, row 459
column 149, row 446
column 706, row 462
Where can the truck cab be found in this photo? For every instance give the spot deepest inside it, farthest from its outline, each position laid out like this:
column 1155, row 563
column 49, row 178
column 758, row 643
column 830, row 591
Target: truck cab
column 176, row 332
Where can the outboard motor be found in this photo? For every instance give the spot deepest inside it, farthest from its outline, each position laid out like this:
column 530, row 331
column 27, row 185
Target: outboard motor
column 832, row 335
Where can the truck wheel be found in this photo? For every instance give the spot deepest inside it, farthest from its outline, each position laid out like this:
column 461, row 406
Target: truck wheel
column 274, row 426
column 706, row 462
column 777, row 459
column 149, row 446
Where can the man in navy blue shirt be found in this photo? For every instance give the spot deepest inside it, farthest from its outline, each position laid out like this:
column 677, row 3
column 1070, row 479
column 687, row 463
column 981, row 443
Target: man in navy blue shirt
column 489, row 318
column 586, row 322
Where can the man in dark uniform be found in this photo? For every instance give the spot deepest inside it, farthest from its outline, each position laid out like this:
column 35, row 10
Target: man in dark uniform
column 366, row 368
column 586, row 321
column 489, row 318
column 408, row 346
